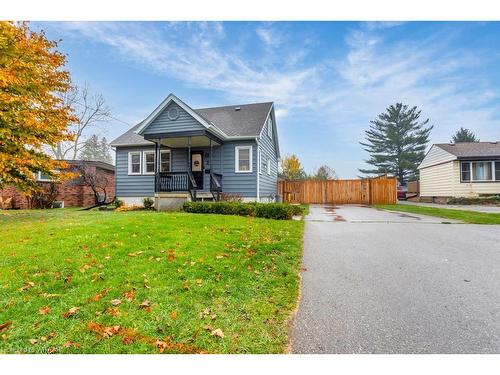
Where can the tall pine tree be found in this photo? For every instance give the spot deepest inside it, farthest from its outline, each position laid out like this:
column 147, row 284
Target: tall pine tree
column 396, row 142
column 464, row 135
column 96, row 149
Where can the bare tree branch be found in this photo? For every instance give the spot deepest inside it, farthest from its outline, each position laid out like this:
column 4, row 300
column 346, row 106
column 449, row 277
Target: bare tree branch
column 91, row 110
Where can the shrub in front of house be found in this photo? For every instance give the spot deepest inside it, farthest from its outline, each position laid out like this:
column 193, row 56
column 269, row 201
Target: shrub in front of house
column 118, row 203
column 148, row 203
column 278, row 211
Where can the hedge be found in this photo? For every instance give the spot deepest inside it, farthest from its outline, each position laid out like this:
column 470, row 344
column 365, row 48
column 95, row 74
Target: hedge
column 278, row 211
column 494, row 200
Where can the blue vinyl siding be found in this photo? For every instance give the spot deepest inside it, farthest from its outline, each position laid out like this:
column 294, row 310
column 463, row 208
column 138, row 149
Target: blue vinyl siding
column 132, row 186
column 162, row 123
column 267, row 146
column 244, row 184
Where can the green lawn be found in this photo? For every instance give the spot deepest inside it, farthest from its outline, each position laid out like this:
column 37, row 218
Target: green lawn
column 146, row 282
column 472, row 217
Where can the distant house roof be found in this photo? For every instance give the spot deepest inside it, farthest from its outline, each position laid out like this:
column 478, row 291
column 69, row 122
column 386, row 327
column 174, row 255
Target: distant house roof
column 472, row 149
column 244, row 120
column 97, row 163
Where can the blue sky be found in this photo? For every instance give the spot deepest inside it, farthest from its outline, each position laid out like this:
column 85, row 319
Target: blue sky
column 327, row 79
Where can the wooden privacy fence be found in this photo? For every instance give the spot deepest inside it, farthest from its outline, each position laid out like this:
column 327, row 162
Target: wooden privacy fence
column 380, row 190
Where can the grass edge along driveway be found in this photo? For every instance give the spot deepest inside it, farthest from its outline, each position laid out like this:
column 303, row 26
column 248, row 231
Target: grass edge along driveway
column 472, row 217
column 146, row 282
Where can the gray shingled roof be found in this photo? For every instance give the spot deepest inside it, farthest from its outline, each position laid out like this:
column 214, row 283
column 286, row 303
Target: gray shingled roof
column 131, row 138
column 472, row 149
column 247, row 121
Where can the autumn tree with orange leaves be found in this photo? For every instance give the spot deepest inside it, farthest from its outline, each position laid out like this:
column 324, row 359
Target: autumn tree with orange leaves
column 32, row 114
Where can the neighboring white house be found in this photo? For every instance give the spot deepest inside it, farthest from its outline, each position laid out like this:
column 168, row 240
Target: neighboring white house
column 466, row 169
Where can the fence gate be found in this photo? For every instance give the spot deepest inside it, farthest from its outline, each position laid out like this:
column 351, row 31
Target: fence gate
column 380, row 190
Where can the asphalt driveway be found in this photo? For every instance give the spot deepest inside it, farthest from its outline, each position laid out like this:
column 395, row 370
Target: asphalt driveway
column 383, row 282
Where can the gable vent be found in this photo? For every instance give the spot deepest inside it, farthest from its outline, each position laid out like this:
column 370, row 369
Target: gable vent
column 237, row 108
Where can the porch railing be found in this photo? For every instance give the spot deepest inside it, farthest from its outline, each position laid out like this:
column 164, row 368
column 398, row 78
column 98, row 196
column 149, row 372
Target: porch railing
column 176, row 181
column 215, row 185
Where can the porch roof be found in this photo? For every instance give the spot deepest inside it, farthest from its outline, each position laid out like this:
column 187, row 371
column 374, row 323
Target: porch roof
column 199, row 138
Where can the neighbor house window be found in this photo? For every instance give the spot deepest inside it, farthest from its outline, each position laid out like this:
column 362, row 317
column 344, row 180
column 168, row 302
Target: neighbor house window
column 165, row 161
column 43, row 177
column 243, row 159
column 480, row 171
column 270, row 128
column 134, row 162
column 269, row 166
column 466, row 171
column 149, row 162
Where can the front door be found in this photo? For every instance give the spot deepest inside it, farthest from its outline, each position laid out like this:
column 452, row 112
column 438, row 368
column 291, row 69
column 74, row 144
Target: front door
column 197, row 167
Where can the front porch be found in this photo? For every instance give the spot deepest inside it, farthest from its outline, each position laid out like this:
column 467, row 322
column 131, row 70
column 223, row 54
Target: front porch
column 187, row 167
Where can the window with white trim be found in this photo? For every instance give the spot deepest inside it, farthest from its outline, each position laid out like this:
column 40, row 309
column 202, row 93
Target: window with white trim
column 149, row 162
column 479, row 171
column 243, row 159
column 134, row 162
column 269, row 166
column 270, row 127
column 165, row 161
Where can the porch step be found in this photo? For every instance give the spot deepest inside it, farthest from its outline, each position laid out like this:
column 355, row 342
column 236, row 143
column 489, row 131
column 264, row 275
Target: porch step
column 204, row 196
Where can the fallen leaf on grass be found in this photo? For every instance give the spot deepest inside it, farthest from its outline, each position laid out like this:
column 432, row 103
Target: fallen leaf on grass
column 84, row 268
column 129, row 295
column 146, row 305
column 48, row 295
column 33, row 341
column 69, row 344
column 101, row 294
column 204, row 313
column 71, row 312
column 113, row 311
column 52, row 350
column 171, row 255
column 115, row 302
column 5, row 326
column 127, row 340
column 199, row 282
column 173, row 315
column 44, row 310
column 103, row 330
column 217, row 333
column 135, row 254
column 28, row 285
column 185, row 286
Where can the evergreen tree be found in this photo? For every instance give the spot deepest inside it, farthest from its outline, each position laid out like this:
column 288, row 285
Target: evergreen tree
column 96, row 149
column 396, row 142
column 464, row 135
column 325, row 172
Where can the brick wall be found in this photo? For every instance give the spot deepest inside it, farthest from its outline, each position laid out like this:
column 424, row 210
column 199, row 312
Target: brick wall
column 73, row 193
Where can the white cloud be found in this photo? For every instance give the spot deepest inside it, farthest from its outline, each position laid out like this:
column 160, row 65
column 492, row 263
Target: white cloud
column 191, row 53
column 269, row 37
